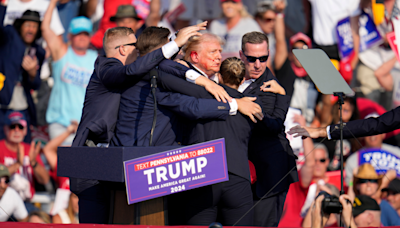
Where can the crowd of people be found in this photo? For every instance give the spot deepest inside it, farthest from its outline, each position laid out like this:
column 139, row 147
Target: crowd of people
column 75, row 73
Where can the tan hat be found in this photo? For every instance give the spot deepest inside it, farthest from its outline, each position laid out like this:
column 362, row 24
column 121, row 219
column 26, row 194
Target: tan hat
column 4, row 171
column 366, row 171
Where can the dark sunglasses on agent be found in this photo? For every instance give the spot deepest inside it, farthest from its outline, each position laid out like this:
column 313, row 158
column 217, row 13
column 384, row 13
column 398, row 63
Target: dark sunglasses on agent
column 131, row 44
column 362, row 181
column 13, row 126
column 253, row 59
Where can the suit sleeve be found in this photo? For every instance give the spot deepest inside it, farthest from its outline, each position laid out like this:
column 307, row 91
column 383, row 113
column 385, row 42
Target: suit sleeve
column 274, row 123
column 176, row 84
column 115, row 75
column 387, row 122
column 191, row 107
column 2, row 30
column 174, row 68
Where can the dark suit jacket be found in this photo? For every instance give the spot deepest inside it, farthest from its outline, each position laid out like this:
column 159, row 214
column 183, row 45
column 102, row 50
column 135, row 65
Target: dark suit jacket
column 100, row 109
column 387, row 122
column 269, row 151
column 136, row 114
column 12, row 49
column 103, row 93
column 236, row 129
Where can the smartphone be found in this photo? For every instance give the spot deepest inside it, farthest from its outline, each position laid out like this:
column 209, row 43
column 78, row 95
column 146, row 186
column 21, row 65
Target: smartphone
column 32, row 52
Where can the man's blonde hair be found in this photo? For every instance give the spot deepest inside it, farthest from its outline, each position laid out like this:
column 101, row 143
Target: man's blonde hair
column 194, row 43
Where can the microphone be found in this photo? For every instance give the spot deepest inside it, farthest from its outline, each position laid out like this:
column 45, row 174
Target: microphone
column 154, row 76
column 153, row 82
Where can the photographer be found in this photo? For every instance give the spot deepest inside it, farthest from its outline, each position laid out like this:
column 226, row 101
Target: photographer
column 319, row 218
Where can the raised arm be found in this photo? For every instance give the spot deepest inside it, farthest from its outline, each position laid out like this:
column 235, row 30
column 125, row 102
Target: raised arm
column 55, row 43
column 50, row 150
column 384, row 76
column 281, row 47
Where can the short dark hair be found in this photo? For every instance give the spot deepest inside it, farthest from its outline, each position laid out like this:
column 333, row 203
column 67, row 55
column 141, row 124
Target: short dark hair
column 151, row 38
column 253, row 38
column 232, row 71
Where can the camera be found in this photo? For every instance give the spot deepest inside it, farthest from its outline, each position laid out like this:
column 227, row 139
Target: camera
column 330, row 204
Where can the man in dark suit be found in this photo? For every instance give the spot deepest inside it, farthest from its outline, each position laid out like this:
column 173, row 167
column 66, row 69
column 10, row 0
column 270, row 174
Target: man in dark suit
column 135, row 116
column 387, row 122
column 269, row 149
column 201, row 54
column 113, row 73
column 227, row 201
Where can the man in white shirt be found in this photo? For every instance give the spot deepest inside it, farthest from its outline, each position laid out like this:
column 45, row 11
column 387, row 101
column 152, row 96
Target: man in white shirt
column 10, row 202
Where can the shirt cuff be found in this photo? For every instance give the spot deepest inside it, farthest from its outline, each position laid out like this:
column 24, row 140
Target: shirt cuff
column 328, row 132
column 169, row 49
column 192, row 75
column 234, row 107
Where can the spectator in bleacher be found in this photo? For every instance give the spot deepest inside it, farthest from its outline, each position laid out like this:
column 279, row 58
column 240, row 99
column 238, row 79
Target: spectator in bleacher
column 70, row 214
column 332, row 220
column 126, row 16
column 331, row 115
column 39, row 217
column 313, row 176
column 374, row 141
column 22, row 160
column 388, row 76
column 297, row 193
column 367, row 182
column 366, row 212
column 235, row 23
column 110, row 10
column 373, row 58
column 72, row 67
column 20, row 62
column 16, row 8
column 270, row 18
column 392, row 194
column 325, row 17
column 11, row 203
column 50, row 152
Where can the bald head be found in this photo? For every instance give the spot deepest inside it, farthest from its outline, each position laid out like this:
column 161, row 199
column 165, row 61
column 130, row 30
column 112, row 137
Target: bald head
column 115, row 37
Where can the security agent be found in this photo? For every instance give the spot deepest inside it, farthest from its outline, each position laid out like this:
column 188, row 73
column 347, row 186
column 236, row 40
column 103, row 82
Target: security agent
column 135, row 115
column 117, row 70
column 230, row 200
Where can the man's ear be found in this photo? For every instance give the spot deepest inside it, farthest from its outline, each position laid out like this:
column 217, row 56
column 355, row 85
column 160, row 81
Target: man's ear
column 194, row 56
column 122, row 50
column 241, row 54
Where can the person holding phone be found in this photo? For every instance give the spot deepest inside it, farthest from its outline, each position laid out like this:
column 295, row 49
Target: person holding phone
column 20, row 62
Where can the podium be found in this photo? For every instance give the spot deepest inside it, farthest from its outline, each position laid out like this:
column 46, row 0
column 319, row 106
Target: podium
column 106, row 165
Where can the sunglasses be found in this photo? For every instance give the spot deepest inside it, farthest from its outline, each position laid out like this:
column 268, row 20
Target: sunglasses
column 5, row 179
column 131, row 44
column 12, row 127
column 363, row 181
column 253, row 59
column 323, row 160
